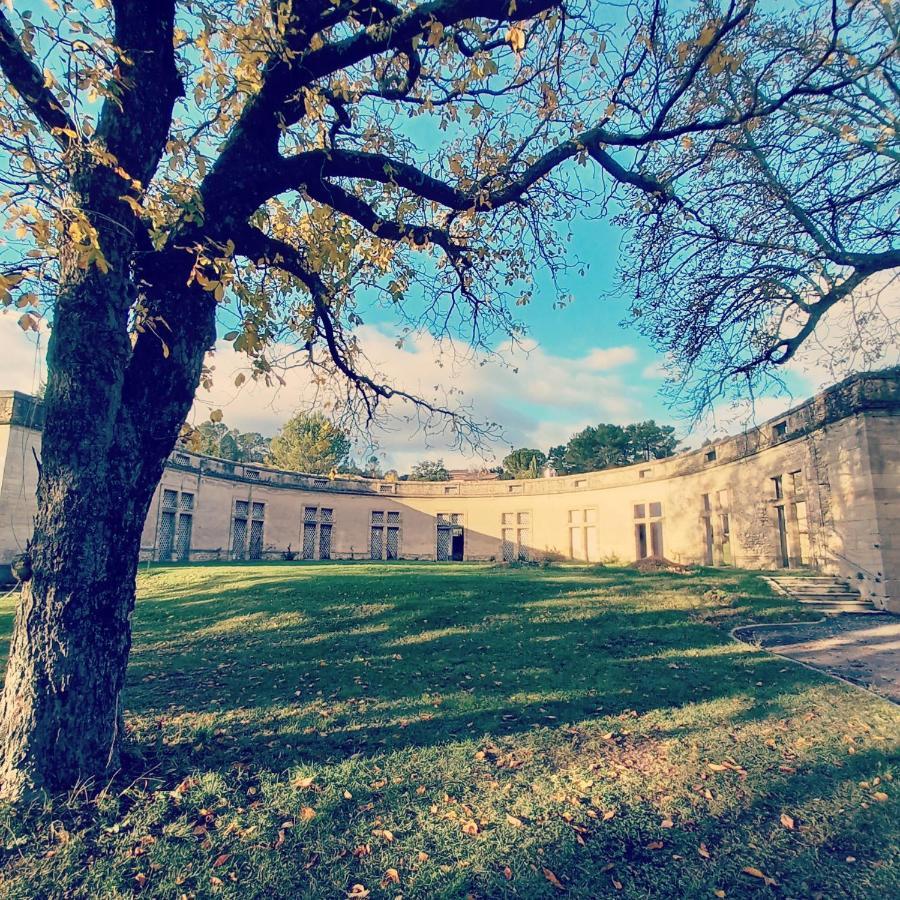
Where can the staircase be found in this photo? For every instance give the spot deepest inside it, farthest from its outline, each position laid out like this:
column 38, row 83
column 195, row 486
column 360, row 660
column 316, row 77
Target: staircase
column 824, row 593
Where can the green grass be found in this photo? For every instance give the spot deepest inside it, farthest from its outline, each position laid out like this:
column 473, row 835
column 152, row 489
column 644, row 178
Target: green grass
column 460, row 730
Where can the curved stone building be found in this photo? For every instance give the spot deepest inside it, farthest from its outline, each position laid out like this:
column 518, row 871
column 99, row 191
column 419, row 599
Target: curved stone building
column 817, row 487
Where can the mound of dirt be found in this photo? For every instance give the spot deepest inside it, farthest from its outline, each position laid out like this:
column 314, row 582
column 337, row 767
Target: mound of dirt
column 653, row 564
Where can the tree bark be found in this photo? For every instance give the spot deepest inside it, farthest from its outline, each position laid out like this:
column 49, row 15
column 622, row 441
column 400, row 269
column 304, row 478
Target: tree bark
column 113, row 414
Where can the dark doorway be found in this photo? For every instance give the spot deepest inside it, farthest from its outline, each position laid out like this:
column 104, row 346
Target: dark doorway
column 782, row 537
column 457, row 545
column 640, row 536
column 708, row 556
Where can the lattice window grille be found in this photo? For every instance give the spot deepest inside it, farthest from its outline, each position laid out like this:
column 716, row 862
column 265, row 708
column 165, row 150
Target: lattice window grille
column 325, row 541
column 183, row 541
column 393, row 543
column 376, row 542
column 256, row 539
column 239, row 538
column 309, row 540
column 166, row 535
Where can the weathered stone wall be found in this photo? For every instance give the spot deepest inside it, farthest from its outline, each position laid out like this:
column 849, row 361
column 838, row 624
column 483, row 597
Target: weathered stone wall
column 837, row 457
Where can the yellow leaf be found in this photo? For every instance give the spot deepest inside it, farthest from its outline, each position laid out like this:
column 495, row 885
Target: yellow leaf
column 470, row 826
column 515, row 37
column 703, row 851
column 307, row 814
column 787, row 821
column 391, row 876
column 216, row 415
column 512, row 820
column 880, row 796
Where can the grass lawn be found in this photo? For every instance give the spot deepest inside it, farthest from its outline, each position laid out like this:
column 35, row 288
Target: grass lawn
column 325, row 730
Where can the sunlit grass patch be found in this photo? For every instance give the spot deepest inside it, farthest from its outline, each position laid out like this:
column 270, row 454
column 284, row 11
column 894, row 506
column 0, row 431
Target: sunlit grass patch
column 445, row 731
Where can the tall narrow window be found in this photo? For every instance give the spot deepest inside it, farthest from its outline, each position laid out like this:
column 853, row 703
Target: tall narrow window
column 166, row 538
column 185, row 526
column 384, row 535
column 582, row 533
column 316, row 532
column 450, row 537
column 515, row 531
column 648, row 530
column 247, row 529
column 258, row 511
column 392, row 546
column 175, row 525
column 706, row 527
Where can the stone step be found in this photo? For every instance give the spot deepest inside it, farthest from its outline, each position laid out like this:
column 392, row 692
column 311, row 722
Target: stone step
column 836, row 609
column 829, row 595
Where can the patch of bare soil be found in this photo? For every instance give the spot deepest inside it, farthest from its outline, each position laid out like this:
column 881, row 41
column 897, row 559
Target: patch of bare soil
column 654, row 564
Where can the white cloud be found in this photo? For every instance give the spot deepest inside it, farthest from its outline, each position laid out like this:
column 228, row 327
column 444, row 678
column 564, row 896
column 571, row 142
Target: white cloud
column 537, row 397
column 603, row 359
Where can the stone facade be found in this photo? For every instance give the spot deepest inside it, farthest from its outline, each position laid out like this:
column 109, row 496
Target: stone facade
column 818, row 487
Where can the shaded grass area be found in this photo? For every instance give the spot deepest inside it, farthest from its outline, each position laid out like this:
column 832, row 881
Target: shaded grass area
column 296, row 730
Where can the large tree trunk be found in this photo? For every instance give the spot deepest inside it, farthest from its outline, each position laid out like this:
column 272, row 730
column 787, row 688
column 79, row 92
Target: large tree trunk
column 112, row 417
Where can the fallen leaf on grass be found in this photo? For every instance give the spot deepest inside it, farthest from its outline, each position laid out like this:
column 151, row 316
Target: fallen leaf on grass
column 512, row 820
column 655, row 845
column 608, row 815
column 667, row 823
column 304, row 782
column 880, row 796
column 551, row 877
column 307, row 813
column 753, row 872
column 358, row 892
column 787, row 821
column 470, row 826
column 703, row 851
column 507, row 873
column 391, row 876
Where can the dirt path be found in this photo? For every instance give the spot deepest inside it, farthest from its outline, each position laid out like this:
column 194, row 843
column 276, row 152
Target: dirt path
column 862, row 649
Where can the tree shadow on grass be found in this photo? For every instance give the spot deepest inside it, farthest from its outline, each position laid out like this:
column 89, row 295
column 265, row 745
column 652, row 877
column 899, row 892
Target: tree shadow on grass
column 315, row 664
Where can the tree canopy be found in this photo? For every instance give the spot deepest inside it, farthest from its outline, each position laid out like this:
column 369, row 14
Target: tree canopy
column 309, row 442
column 217, row 439
column 524, row 463
column 429, row 470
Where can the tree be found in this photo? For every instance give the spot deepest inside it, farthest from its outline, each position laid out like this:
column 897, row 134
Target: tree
column 597, row 447
column 429, row 470
column 308, row 442
column 647, row 440
column 265, row 163
column 217, row 439
column 786, row 226
column 556, row 459
column 524, row 463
